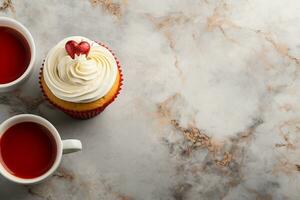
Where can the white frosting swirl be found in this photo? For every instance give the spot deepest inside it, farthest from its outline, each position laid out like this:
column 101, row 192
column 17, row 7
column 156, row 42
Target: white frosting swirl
column 82, row 79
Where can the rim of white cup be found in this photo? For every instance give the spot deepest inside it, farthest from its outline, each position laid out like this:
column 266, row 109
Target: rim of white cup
column 25, row 32
column 42, row 121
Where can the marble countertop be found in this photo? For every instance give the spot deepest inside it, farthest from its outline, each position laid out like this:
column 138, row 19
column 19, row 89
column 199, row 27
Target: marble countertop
column 209, row 109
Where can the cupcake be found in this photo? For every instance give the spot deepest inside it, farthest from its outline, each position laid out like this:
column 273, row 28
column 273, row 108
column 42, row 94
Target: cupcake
column 80, row 77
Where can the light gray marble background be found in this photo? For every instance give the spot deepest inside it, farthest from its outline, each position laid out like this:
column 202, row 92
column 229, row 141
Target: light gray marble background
column 209, row 109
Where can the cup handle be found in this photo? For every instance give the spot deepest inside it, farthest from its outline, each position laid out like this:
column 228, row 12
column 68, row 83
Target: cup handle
column 71, row 145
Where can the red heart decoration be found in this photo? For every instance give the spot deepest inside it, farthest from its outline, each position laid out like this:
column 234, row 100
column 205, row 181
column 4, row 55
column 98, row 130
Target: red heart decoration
column 72, row 48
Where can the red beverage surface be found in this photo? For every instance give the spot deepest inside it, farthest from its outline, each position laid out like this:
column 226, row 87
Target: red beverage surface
column 27, row 150
column 14, row 55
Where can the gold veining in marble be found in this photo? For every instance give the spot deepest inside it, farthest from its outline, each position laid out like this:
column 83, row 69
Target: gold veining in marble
column 7, row 5
column 110, row 6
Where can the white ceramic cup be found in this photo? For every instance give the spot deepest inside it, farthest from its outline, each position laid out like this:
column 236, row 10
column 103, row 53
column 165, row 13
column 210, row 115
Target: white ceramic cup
column 11, row 23
column 62, row 146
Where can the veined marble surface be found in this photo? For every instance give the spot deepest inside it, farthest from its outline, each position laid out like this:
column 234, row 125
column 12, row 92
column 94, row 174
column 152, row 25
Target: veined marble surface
column 209, row 109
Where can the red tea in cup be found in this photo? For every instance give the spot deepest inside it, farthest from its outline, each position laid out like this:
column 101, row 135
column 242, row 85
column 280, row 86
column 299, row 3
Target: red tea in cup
column 27, row 150
column 15, row 54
